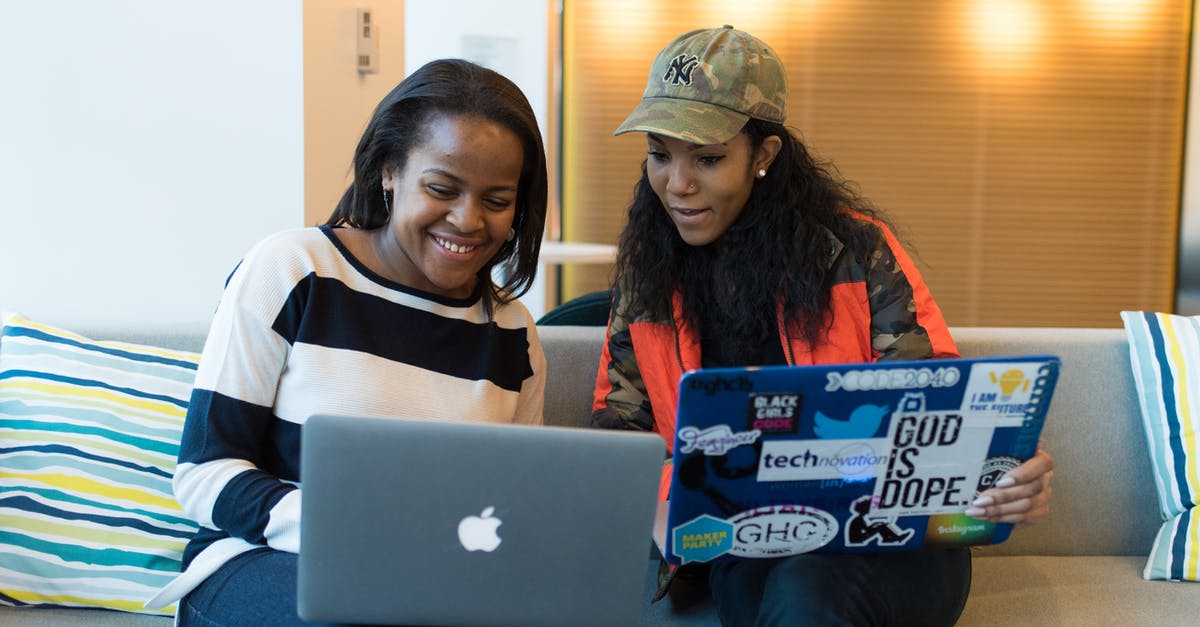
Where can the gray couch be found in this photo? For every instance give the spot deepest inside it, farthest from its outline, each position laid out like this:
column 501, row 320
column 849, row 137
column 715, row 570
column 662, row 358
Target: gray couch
column 1081, row 566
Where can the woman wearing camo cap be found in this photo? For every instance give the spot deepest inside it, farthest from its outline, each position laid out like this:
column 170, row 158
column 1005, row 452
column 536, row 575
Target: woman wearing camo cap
column 740, row 250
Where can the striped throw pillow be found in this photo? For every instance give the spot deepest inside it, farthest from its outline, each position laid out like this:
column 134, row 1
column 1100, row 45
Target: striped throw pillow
column 89, row 434
column 1164, row 351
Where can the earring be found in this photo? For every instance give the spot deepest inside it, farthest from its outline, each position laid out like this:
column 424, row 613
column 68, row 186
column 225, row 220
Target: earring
column 762, row 172
column 387, row 202
column 511, row 234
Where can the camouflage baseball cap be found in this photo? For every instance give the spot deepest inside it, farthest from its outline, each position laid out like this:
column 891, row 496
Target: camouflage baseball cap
column 707, row 83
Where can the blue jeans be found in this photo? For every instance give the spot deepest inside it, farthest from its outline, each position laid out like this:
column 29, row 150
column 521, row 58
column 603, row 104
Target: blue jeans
column 255, row 588
column 926, row 588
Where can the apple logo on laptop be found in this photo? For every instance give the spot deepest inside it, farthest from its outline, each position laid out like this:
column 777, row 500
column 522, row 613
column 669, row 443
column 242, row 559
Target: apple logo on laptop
column 478, row 533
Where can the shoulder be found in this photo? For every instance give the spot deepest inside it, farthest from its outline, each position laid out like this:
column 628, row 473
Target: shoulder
column 628, row 310
column 867, row 238
column 298, row 242
column 284, row 258
column 296, row 250
column 867, row 229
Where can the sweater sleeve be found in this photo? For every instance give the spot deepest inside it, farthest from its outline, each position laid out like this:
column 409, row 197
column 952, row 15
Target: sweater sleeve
column 532, row 401
column 219, row 480
column 620, row 400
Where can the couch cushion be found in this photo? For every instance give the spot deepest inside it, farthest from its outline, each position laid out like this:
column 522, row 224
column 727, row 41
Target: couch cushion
column 89, row 434
column 1164, row 351
column 75, row 617
column 1080, row 590
column 1014, row 590
column 572, row 357
column 1101, row 466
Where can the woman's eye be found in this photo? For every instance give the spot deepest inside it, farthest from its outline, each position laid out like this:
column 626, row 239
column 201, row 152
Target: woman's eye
column 440, row 191
column 657, row 156
column 499, row 204
column 710, row 160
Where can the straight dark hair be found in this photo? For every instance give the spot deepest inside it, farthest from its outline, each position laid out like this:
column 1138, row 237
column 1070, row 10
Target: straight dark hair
column 453, row 87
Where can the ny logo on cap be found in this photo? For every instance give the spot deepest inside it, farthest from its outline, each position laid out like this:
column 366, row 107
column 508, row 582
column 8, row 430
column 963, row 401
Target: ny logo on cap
column 679, row 71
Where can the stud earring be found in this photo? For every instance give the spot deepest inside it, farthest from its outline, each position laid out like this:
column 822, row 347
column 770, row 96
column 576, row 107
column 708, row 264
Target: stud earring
column 762, row 172
column 511, row 234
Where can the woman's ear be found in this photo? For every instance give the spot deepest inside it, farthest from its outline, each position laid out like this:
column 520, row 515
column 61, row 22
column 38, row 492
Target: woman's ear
column 767, row 151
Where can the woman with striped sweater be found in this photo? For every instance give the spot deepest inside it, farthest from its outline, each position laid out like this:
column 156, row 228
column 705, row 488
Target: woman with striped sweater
column 387, row 309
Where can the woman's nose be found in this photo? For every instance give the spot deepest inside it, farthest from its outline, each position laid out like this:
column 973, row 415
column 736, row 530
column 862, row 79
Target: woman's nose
column 466, row 215
column 680, row 182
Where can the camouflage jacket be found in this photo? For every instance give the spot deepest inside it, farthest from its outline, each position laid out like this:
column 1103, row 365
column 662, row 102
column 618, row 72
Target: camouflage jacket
column 880, row 309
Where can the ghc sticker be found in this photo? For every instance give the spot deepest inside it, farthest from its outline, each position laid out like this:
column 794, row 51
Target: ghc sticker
column 782, row 530
column 702, row 539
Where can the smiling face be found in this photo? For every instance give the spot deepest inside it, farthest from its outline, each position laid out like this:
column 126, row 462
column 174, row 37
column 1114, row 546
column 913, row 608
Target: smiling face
column 454, row 203
column 704, row 188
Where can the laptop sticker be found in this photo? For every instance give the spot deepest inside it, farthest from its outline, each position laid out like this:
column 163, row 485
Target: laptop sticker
column 865, row 527
column 781, row 530
column 714, row 440
column 957, row 530
column 933, row 466
column 775, row 413
column 702, row 539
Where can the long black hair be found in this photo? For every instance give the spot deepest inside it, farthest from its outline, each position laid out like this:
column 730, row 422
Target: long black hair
column 453, row 87
column 777, row 247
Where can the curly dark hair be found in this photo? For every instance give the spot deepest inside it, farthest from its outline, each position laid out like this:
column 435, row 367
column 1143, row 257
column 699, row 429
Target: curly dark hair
column 772, row 250
column 453, row 87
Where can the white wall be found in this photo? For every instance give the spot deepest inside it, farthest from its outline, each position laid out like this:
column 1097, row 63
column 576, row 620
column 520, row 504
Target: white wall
column 338, row 100
column 144, row 146
column 511, row 37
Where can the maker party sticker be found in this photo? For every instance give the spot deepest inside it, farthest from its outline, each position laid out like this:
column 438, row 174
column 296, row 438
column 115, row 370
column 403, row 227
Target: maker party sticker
column 701, row 539
column 782, row 530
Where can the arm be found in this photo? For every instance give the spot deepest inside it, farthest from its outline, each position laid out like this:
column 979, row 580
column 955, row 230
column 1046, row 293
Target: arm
column 620, row 400
column 906, row 323
column 219, row 480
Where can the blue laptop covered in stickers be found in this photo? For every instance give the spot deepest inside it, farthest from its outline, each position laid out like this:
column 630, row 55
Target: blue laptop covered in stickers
column 783, row 460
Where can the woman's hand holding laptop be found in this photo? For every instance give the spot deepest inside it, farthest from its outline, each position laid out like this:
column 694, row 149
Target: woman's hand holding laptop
column 1021, row 497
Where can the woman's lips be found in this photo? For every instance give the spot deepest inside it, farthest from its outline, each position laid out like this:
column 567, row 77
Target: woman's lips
column 684, row 214
column 460, row 249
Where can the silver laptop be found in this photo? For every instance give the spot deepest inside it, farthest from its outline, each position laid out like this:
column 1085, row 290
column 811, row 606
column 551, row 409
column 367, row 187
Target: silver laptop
column 429, row 523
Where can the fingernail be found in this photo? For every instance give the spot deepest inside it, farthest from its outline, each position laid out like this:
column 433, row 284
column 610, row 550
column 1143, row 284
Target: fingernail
column 1005, row 481
column 982, row 501
column 975, row 512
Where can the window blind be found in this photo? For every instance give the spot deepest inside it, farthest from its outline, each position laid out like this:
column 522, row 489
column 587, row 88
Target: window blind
column 1029, row 152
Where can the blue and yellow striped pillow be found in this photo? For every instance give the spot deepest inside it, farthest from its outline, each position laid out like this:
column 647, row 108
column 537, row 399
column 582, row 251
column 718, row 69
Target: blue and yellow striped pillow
column 1164, row 351
column 89, row 434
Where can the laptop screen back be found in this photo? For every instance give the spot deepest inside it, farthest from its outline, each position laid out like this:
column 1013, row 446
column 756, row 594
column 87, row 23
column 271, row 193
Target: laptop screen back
column 778, row 461
column 416, row 522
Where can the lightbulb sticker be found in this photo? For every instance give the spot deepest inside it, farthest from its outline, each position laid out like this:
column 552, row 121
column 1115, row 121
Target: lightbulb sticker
column 1010, row 381
column 1000, row 393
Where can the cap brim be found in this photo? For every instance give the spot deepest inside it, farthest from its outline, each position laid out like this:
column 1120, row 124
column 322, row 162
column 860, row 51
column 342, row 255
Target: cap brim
column 688, row 120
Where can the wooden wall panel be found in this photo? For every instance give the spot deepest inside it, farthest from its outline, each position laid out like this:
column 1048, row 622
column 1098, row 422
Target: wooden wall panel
column 1030, row 152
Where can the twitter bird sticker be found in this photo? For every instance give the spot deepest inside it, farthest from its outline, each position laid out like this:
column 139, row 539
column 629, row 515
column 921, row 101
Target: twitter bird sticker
column 864, row 421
